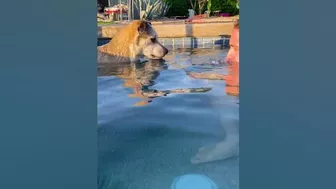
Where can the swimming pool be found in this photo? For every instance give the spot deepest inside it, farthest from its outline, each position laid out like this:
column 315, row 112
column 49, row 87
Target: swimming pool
column 153, row 118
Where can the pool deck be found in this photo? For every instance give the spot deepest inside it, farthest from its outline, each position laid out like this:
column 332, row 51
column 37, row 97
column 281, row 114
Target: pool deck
column 180, row 29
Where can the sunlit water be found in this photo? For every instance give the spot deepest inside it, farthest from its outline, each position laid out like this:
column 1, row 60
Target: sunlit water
column 145, row 143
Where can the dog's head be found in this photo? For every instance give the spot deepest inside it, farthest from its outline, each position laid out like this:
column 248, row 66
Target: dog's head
column 147, row 42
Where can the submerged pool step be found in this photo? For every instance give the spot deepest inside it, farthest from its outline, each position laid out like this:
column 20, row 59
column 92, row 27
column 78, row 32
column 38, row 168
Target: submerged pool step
column 189, row 42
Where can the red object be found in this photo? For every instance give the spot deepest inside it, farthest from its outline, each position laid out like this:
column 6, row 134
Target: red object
column 224, row 14
column 114, row 11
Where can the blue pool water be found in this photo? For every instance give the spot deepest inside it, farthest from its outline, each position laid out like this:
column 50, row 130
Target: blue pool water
column 147, row 138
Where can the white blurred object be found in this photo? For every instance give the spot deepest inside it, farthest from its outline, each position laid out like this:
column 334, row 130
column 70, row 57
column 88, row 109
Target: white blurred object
column 117, row 7
column 193, row 181
column 191, row 13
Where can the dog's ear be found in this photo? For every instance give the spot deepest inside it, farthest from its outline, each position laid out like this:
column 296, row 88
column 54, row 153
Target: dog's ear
column 142, row 27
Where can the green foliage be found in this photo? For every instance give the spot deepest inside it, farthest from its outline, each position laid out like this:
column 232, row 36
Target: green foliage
column 148, row 9
column 209, row 5
column 180, row 7
column 227, row 6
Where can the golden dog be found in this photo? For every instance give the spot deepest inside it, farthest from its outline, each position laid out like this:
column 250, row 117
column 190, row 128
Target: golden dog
column 135, row 40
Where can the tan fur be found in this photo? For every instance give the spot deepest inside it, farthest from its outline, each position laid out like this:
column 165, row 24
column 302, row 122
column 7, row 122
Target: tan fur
column 129, row 43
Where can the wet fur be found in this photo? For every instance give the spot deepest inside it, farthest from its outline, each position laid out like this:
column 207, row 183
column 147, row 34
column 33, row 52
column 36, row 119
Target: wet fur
column 127, row 45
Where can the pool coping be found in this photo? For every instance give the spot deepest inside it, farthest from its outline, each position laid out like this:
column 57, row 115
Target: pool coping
column 176, row 29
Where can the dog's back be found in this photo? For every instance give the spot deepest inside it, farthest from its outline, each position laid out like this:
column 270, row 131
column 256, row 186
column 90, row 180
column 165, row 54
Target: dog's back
column 136, row 39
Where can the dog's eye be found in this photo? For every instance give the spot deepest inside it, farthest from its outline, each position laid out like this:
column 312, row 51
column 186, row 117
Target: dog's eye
column 153, row 40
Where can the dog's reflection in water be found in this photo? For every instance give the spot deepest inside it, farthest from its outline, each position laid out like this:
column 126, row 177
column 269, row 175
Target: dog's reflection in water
column 140, row 77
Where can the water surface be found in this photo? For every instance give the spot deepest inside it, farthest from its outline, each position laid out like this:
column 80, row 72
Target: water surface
column 153, row 118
